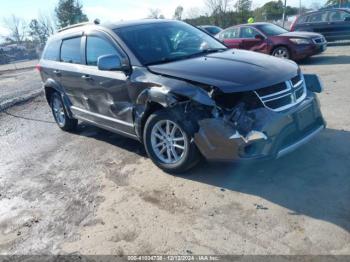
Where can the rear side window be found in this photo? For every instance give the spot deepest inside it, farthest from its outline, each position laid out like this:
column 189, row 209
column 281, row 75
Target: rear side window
column 318, row 18
column 70, row 51
column 96, row 47
column 302, row 19
column 230, row 34
column 52, row 51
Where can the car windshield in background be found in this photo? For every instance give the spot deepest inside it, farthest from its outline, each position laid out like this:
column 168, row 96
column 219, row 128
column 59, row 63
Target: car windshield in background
column 168, row 41
column 272, row 30
column 213, row 29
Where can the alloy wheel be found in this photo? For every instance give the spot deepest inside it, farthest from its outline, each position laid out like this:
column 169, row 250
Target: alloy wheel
column 58, row 111
column 168, row 141
column 281, row 53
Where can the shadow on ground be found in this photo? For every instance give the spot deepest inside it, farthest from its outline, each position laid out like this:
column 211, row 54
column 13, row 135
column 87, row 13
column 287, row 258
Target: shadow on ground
column 111, row 138
column 312, row 181
column 326, row 60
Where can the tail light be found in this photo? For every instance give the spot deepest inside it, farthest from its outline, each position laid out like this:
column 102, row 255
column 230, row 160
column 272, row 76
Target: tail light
column 38, row 67
column 294, row 24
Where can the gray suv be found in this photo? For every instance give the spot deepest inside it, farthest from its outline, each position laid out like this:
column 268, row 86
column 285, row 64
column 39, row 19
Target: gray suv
column 179, row 91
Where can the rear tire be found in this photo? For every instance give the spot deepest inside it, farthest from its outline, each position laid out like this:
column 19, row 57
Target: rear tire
column 169, row 142
column 60, row 114
column 281, row 52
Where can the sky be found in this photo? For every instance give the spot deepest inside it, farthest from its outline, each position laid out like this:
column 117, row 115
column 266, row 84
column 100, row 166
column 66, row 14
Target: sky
column 112, row 10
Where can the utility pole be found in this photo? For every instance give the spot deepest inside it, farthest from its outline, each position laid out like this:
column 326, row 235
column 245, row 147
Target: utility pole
column 284, row 13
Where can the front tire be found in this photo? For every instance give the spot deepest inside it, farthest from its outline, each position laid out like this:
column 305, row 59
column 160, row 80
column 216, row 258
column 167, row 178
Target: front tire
column 281, row 52
column 60, row 114
column 169, row 143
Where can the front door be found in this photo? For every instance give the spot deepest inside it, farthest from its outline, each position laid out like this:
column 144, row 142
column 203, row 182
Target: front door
column 253, row 40
column 339, row 25
column 106, row 97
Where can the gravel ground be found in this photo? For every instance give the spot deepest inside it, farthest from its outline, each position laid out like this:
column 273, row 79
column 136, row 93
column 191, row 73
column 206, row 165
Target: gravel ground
column 94, row 192
column 17, row 86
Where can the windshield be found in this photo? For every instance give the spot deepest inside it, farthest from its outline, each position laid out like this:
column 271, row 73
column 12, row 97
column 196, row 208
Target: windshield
column 271, row 29
column 168, row 41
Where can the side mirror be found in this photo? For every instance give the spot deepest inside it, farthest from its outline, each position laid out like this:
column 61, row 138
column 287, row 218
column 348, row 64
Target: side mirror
column 109, row 63
column 259, row 37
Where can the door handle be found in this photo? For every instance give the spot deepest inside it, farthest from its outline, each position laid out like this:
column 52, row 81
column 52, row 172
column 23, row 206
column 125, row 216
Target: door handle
column 57, row 72
column 86, row 77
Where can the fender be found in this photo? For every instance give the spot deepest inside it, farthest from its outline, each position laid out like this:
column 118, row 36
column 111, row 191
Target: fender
column 170, row 97
column 166, row 98
column 51, row 85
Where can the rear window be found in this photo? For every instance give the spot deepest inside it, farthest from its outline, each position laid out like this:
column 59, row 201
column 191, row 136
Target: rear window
column 70, row 51
column 52, row 51
column 213, row 30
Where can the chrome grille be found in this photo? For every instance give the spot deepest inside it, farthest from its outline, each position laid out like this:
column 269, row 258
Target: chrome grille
column 284, row 95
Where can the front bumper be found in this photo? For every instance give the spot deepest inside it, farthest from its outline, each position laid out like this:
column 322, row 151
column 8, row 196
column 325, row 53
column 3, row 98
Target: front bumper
column 304, row 51
column 284, row 132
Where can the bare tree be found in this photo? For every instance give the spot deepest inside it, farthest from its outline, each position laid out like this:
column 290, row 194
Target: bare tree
column 155, row 14
column 218, row 10
column 48, row 23
column 17, row 28
column 218, row 6
column 178, row 12
column 192, row 13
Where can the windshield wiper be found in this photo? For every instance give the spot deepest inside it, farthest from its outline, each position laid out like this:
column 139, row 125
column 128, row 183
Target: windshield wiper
column 207, row 51
column 168, row 60
column 165, row 60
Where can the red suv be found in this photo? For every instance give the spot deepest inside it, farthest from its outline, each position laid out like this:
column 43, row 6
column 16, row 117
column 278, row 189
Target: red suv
column 273, row 40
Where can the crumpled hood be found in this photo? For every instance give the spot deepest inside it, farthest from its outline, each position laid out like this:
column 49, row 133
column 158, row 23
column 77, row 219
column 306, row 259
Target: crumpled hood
column 231, row 71
column 301, row 34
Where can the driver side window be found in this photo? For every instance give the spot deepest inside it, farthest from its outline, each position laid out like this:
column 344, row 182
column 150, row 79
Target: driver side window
column 337, row 16
column 96, row 47
column 248, row 32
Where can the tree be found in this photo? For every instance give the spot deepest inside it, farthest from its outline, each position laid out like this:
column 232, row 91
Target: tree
column 69, row 12
column 178, row 12
column 39, row 31
column 17, row 28
column 218, row 10
column 243, row 9
column 155, row 14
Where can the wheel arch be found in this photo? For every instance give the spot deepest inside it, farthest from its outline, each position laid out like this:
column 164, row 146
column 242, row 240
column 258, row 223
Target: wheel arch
column 50, row 87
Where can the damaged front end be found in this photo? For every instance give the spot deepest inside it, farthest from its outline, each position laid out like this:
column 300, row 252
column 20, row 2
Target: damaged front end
column 247, row 125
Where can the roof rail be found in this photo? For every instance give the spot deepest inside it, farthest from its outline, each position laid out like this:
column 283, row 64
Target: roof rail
column 95, row 22
column 73, row 26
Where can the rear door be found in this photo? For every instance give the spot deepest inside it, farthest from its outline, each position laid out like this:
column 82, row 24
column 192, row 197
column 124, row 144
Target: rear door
column 71, row 60
column 339, row 25
column 250, row 41
column 318, row 23
column 230, row 37
column 50, row 61
column 105, row 93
